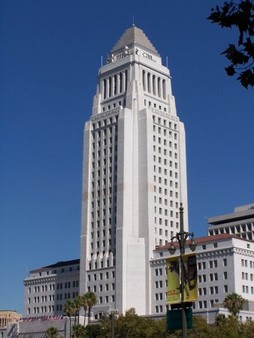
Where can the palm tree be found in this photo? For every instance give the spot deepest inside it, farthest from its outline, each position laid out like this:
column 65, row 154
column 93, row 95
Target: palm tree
column 69, row 310
column 84, row 305
column 52, row 332
column 234, row 303
column 77, row 305
column 79, row 331
column 89, row 299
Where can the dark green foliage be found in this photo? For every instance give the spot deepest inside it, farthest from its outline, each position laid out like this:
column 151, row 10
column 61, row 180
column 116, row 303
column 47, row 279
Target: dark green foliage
column 234, row 303
column 239, row 15
column 94, row 330
column 130, row 325
column 79, row 331
column 52, row 332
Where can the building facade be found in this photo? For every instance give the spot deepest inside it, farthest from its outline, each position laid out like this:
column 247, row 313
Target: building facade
column 239, row 223
column 48, row 288
column 134, row 175
column 225, row 264
column 7, row 317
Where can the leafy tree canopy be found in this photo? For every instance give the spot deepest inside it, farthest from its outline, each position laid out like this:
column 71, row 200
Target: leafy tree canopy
column 52, row 332
column 234, row 303
column 238, row 14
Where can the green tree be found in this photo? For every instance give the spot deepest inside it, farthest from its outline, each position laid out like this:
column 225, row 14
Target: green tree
column 77, row 303
column 240, row 15
column 84, row 304
column 132, row 326
column 234, row 303
column 52, row 332
column 220, row 319
column 88, row 300
column 201, row 329
column 69, row 311
column 231, row 327
column 248, row 329
column 94, row 330
column 79, row 331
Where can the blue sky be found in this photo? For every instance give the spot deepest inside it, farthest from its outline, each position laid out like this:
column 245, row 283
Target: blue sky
column 50, row 53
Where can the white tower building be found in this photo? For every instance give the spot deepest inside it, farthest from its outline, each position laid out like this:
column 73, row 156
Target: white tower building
column 134, row 175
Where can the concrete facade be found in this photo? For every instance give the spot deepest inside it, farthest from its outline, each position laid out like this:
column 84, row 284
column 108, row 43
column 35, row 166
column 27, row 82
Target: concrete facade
column 225, row 265
column 239, row 223
column 7, row 317
column 134, row 175
column 48, row 288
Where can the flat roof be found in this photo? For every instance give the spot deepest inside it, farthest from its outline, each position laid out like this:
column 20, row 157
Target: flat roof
column 232, row 217
column 58, row 265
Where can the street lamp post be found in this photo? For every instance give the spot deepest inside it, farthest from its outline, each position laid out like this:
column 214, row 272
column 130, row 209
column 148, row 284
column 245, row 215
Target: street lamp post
column 181, row 238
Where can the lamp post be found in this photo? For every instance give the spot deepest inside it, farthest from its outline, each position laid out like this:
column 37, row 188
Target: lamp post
column 181, row 238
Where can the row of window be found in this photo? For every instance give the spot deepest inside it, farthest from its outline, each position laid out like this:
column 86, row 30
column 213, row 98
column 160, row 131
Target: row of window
column 164, row 141
column 101, row 275
column 51, row 287
column 245, row 263
column 164, row 131
column 41, row 309
column 211, row 264
column 247, row 289
column 245, row 276
column 165, row 223
column 164, row 201
column 104, row 123
column 166, row 172
column 155, row 106
column 106, row 299
column 165, row 152
column 113, row 106
column 202, row 304
column 154, row 84
column 114, row 85
column 164, row 122
column 67, row 285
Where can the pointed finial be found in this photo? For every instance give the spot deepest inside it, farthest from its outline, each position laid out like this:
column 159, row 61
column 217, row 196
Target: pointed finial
column 133, row 21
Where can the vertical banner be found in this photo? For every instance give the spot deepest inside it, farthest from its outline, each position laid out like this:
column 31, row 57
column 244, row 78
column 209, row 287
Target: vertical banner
column 173, row 278
column 190, row 278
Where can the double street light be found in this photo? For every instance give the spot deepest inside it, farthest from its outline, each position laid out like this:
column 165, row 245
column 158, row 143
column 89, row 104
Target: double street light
column 181, row 237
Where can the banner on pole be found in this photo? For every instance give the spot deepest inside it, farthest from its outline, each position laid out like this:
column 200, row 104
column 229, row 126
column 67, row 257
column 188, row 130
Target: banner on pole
column 190, row 278
column 174, row 277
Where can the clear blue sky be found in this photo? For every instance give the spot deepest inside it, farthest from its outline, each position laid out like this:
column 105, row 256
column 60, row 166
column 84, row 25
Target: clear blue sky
column 50, row 52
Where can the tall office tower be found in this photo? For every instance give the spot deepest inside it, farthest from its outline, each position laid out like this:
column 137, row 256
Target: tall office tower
column 134, row 175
